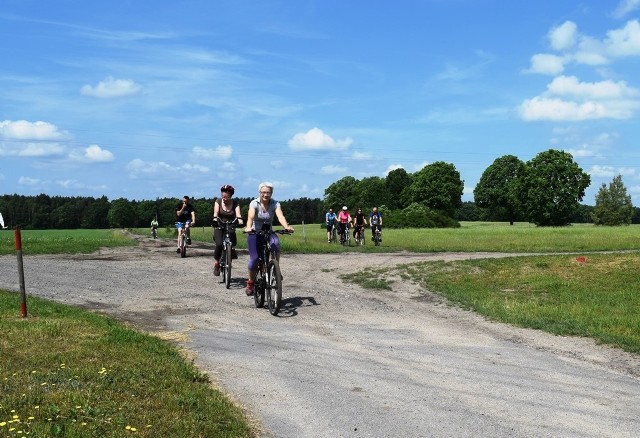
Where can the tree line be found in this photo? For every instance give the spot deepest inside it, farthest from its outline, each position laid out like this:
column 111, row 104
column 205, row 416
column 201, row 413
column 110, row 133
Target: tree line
column 546, row 190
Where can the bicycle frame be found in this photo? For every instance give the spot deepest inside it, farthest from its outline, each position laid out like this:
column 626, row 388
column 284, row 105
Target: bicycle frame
column 268, row 278
column 225, row 258
column 183, row 238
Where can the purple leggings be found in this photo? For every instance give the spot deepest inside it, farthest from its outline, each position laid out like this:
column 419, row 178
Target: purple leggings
column 254, row 243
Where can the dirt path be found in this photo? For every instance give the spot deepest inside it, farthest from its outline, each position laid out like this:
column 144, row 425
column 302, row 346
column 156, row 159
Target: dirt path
column 341, row 361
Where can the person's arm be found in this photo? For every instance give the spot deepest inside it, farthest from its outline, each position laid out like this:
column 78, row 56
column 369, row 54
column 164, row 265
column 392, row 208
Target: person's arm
column 216, row 211
column 283, row 220
column 250, row 217
column 238, row 214
column 193, row 216
column 380, row 220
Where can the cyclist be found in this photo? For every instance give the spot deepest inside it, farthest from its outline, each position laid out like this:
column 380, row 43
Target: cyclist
column 344, row 218
column 226, row 209
column 330, row 219
column 260, row 217
column 375, row 220
column 185, row 214
column 359, row 222
column 154, row 225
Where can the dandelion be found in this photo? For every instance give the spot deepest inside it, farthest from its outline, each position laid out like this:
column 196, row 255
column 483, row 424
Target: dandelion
column 31, row 418
column 78, row 407
column 83, row 423
column 3, row 424
column 36, row 407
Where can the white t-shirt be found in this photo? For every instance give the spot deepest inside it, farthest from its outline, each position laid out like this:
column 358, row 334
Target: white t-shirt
column 263, row 216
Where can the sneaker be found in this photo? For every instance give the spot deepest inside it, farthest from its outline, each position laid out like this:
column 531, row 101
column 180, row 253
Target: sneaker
column 178, row 250
column 216, row 268
column 234, row 254
column 328, row 240
column 249, row 289
column 188, row 240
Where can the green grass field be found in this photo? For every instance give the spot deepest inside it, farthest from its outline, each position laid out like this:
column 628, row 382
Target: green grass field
column 104, row 379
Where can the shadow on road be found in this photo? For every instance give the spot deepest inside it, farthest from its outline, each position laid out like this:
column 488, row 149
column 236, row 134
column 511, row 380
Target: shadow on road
column 291, row 305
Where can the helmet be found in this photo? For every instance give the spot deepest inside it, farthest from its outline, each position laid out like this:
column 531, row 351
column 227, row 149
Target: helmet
column 228, row 189
column 344, row 208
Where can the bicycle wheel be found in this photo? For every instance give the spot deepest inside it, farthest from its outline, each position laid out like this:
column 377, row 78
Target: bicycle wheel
column 227, row 267
column 377, row 238
column 259, row 289
column 274, row 289
column 183, row 246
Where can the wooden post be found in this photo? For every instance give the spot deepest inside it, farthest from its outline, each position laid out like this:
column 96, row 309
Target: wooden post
column 23, row 293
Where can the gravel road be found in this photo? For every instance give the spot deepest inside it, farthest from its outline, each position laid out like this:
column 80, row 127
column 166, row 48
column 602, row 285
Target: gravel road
column 341, row 361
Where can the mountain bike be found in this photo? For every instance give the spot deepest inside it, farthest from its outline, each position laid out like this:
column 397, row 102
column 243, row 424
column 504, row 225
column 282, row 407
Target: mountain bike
column 154, row 232
column 227, row 255
column 359, row 235
column 183, row 238
column 334, row 233
column 345, row 237
column 377, row 235
column 268, row 282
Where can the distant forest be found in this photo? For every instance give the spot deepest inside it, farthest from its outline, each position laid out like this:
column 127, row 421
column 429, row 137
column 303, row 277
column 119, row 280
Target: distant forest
column 60, row 212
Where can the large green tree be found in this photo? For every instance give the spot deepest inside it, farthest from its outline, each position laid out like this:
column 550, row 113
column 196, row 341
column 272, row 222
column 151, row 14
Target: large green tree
column 552, row 187
column 371, row 192
column 342, row 192
column 613, row 205
column 497, row 190
column 439, row 187
column 122, row 213
column 398, row 182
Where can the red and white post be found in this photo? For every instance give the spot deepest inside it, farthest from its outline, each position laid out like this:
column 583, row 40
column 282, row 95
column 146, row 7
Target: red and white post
column 23, row 292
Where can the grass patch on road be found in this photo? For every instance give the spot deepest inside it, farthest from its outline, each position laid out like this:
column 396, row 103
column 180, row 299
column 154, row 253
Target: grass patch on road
column 561, row 294
column 66, row 372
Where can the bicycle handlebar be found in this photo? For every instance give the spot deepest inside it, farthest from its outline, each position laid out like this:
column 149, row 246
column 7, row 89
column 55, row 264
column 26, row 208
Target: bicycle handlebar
column 267, row 232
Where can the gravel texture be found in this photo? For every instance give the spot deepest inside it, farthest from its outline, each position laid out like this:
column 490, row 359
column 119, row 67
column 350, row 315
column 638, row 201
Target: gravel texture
column 341, row 361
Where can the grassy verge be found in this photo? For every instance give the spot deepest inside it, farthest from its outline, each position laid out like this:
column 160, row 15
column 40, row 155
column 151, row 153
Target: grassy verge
column 597, row 298
column 65, row 372
column 470, row 237
column 63, row 241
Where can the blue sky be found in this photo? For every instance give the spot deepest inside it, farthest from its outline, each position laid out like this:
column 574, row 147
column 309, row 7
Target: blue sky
column 144, row 99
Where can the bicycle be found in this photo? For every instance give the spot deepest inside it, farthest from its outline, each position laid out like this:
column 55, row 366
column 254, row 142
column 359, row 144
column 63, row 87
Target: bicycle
column 154, row 232
column 227, row 254
column 377, row 235
column 334, row 233
column 183, row 238
column 345, row 237
column 268, row 280
column 359, row 235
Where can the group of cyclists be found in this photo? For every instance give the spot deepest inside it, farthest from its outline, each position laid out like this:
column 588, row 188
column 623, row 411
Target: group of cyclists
column 262, row 211
column 343, row 220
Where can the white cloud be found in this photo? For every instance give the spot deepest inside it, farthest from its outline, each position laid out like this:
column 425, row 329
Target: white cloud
column 110, row 88
column 564, row 36
column 26, row 181
column 567, row 99
column 332, row 169
column 138, row 166
column 359, row 156
column 315, row 139
column 625, row 7
column 569, row 85
column 602, row 171
column 546, row 64
column 625, row 41
column 92, row 154
column 218, row 153
column 392, row 167
column 611, row 171
column 24, row 130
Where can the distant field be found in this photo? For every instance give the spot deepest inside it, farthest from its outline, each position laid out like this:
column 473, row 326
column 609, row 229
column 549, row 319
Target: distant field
column 470, row 237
